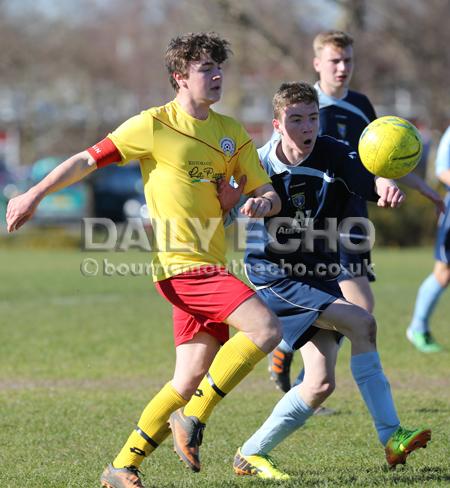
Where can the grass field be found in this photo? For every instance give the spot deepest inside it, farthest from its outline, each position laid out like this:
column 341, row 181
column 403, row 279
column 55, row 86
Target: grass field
column 80, row 357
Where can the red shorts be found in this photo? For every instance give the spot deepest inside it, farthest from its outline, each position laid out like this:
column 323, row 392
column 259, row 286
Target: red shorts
column 202, row 299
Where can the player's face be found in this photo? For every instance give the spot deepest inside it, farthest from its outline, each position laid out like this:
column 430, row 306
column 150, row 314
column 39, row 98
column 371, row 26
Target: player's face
column 335, row 67
column 204, row 81
column 299, row 127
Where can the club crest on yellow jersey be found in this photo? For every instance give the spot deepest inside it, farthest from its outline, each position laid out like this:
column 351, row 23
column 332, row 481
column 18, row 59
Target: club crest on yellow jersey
column 228, row 146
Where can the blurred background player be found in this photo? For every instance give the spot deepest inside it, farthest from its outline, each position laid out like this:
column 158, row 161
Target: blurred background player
column 184, row 147
column 344, row 114
column 314, row 177
column 432, row 288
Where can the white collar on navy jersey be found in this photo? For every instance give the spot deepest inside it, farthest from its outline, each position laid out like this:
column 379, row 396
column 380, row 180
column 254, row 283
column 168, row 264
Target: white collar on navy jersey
column 325, row 99
column 277, row 165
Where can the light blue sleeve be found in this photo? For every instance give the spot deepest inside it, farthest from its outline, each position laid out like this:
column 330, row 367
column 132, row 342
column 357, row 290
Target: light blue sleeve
column 443, row 153
column 233, row 214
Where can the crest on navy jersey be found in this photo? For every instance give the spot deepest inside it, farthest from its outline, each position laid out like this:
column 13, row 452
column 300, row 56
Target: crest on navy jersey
column 227, row 145
column 342, row 130
column 298, row 200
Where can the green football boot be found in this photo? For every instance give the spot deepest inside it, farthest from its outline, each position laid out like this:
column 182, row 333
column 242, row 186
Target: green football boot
column 403, row 442
column 423, row 341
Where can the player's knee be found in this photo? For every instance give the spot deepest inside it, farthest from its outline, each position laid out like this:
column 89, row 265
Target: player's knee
column 321, row 390
column 326, row 389
column 185, row 390
column 276, row 333
column 187, row 385
column 273, row 333
column 269, row 330
column 363, row 327
column 369, row 328
column 444, row 277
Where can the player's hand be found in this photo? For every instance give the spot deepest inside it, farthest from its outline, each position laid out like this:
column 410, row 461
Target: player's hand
column 20, row 210
column 389, row 193
column 229, row 195
column 434, row 197
column 256, row 207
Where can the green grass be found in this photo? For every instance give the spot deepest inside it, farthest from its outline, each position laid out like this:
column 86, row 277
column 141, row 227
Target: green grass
column 80, row 357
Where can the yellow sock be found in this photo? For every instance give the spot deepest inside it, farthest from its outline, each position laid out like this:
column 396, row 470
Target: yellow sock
column 233, row 362
column 152, row 428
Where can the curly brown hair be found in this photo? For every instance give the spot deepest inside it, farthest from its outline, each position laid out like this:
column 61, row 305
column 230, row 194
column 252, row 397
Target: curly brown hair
column 190, row 47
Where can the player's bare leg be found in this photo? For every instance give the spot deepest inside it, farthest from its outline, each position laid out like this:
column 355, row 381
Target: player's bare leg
column 319, row 357
column 360, row 327
column 353, row 322
column 259, row 333
column 257, row 322
column 193, row 359
column 293, row 410
column 358, row 291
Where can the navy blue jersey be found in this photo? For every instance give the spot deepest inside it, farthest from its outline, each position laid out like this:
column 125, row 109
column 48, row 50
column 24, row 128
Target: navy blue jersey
column 314, row 195
column 345, row 119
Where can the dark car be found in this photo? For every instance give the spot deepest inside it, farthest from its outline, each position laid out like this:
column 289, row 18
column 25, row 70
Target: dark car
column 118, row 192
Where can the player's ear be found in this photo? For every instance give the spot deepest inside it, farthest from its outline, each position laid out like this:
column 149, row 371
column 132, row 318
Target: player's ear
column 179, row 78
column 276, row 125
column 316, row 64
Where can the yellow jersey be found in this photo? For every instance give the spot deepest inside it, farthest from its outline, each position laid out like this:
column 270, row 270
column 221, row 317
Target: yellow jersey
column 181, row 158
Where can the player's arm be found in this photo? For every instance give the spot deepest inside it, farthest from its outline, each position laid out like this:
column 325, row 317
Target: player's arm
column 21, row 208
column 389, row 193
column 229, row 194
column 361, row 182
column 264, row 202
column 417, row 183
column 444, row 177
column 132, row 140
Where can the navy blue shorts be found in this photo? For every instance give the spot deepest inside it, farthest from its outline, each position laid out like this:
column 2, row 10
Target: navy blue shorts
column 298, row 304
column 442, row 246
column 356, row 265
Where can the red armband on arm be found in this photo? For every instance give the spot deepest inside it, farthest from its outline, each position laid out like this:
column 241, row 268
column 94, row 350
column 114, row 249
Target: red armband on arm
column 104, row 153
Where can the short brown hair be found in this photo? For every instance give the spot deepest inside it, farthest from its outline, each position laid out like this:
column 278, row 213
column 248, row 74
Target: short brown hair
column 190, row 47
column 293, row 92
column 337, row 38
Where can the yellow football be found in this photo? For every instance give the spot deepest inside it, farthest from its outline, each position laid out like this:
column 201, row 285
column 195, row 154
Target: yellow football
column 390, row 147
